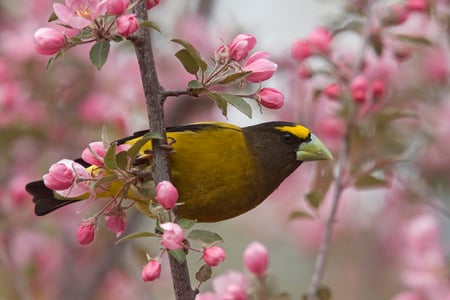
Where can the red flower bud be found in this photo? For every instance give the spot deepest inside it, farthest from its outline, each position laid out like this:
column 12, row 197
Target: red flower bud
column 151, row 3
column 301, row 50
column 213, row 255
column 173, row 236
column 86, row 231
column 333, row 91
column 117, row 7
column 270, row 98
column 256, row 258
column 320, row 39
column 48, row 41
column 166, row 194
column 151, row 270
column 241, row 46
column 358, row 89
column 261, row 68
column 60, row 177
column 378, row 88
column 116, row 220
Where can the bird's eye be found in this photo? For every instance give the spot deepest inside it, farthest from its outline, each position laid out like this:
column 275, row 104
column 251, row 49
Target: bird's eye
column 287, row 138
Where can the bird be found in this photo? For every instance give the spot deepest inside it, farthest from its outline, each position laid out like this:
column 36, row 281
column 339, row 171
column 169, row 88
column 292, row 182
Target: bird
column 220, row 170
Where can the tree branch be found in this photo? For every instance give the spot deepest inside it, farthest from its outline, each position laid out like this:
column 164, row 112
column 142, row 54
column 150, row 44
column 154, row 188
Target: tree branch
column 154, row 96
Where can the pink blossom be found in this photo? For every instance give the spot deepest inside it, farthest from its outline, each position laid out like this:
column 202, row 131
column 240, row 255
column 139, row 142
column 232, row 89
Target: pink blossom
column 241, row 46
column 117, row 7
column 213, row 255
column 151, row 270
column 79, row 14
column 358, row 88
column 436, row 65
column 127, row 24
column 116, row 220
column 173, row 236
column 301, row 50
column 270, row 98
column 96, row 151
column 207, row 296
column 86, row 231
column 151, row 3
column 378, row 88
column 332, row 91
column 304, row 72
column 256, row 258
column 417, row 5
column 61, row 175
column 48, row 41
column 166, row 194
column 398, row 14
column 230, row 285
column 320, row 40
column 261, row 68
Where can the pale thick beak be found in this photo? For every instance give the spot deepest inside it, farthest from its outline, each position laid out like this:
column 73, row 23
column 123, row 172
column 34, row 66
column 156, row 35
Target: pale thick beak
column 313, row 150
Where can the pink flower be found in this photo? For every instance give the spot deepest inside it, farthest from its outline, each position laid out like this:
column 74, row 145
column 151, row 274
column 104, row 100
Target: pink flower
column 61, row 175
column 151, row 3
column 270, row 98
column 79, row 14
column 166, row 194
column 332, row 91
column 48, row 41
column 417, row 5
column 213, row 255
column 151, row 270
column 230, row 285
column 127, row 24
column 116, row 220
column 95, row 157
column 173, row 236
column 86, row 231
column 256, row 258
column 320, row 39
column 301, row 50
column 398, row 14
column 261, row 68
column 378, row 88
column 410, row 295
column 241, row 46
column 358, row 89
column 117, row 7
column 304, row 72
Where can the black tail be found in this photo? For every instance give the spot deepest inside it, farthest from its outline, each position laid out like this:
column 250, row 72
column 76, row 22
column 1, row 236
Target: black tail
column 44, row 199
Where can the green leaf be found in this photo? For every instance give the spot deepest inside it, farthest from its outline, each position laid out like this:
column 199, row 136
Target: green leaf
column 220, row 101
column 239, row 103
column 419, row 40
column 204, row 273
column 193, row 53
column 122, row 160
column 186, row 223
column 110, row 157
column 323, row 293
column 99, row 53
column 50, row 62
column 234, row 77
column 117, row 38
column 369, row 181
column 136, row 147
column 179, row 255
column 299, row 214
column 204, row 236
column 314, row 198
column 149, row 24
column 188, row 62
column 52, row 17
column 135, row 235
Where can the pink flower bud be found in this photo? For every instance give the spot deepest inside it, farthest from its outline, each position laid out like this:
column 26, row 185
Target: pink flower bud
column 151, row 270
column 241, row 46
column 173, row 236
column 60, row 177
column 270, row 98
column 151, row 3
column 301, row 50
column 213, row 255
column 320, row 39
column 261, row 68
column 256, row 258
column 166, row 194
column 378, row 88
column 127, row 24
column 332, row 91
column 86, row 231
column 117, row 7
column 48, row 41
column 116, row 220
column 304, row 72
column 94, row 159
column 417, row 5
column 398, row 14
column 358, row 89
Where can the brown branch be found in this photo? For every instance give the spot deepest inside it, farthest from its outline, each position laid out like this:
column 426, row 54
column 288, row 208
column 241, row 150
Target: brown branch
column 154, row 96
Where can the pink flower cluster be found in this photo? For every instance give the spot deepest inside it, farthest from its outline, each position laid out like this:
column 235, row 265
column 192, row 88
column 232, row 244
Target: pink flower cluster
column 77, row 15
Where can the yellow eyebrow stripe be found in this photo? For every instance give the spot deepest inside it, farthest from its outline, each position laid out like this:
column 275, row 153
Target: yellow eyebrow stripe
column 298, row 130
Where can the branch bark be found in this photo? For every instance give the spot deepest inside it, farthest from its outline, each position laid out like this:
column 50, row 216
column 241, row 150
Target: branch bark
column 154, row 97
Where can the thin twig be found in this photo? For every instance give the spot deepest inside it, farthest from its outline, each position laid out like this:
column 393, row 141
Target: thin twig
column 154, row 96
